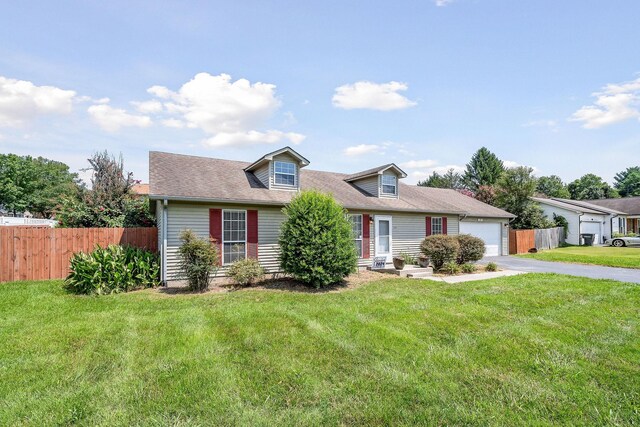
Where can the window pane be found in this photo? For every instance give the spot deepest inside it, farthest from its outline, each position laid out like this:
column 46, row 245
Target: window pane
column 358, row 244
column 388, row 189
column 383, row 228
column 383, row 244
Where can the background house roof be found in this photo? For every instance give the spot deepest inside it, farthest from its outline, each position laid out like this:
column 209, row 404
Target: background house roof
column 586, row 204
column 630, row 205
column 569, row 206
column 182, row 177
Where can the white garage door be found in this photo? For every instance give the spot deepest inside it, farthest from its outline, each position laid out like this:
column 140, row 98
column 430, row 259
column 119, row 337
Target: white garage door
column 490, row 232
column 593, row 228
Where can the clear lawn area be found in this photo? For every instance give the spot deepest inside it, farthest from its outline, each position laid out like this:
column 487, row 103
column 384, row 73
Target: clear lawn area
column 531, row 349
column 597, row 255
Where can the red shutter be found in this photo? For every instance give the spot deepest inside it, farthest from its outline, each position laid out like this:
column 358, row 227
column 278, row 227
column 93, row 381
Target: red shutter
column 444, row 225
column 252, row 234
column 365, row 236
column 215, row 230
column 427, row 221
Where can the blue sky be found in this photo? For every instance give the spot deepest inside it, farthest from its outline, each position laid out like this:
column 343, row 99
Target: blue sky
column 350, row 85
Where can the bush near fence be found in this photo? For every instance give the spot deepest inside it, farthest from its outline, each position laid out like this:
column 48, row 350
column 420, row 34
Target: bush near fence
column 521, row 241
column 42, row 253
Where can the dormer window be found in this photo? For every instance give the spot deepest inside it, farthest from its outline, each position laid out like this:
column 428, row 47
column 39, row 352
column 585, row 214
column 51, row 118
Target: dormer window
column 284, row 173
column 389, row 184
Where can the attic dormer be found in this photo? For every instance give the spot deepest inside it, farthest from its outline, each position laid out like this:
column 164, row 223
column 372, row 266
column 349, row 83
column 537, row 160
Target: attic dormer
column 382, row 182
column 279, row 170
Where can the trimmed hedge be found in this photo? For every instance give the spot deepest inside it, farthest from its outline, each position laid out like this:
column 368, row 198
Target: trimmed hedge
column 316, row 240
column 441, row 248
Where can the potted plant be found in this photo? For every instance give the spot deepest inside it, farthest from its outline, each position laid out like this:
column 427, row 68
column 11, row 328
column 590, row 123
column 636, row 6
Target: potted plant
column 398, row 262
column 423, row 261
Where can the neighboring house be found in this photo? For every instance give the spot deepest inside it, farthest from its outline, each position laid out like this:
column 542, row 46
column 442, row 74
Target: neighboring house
column 630, row 205
column 140, row 189
column 239, row 204
column 584, row 217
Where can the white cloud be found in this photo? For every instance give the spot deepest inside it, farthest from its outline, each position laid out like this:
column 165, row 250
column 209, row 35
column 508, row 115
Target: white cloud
column 231, row 112
column 148, row 107
column 253, row 137
column 417, row 164
column 22, row 101
column 358, row 150
column 512, row 164
column 442, row 3
column 112, row 119
column 373, row 96
column 615, row 103
column 216, row 104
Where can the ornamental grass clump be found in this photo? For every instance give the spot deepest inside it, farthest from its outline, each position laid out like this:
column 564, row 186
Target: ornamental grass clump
column 316, row 240
column 113, row 269
column 199, row 260
column 441, row 248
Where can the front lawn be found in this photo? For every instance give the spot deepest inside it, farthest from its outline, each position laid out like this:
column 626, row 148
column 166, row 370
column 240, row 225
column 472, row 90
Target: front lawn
column 531, row 349
column 597, row 255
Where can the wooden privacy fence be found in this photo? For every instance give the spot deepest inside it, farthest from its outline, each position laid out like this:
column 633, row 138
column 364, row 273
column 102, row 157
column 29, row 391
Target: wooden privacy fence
column 40, row 253
column 521, row 241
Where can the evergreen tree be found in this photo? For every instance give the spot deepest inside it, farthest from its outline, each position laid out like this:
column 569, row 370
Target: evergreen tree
column 484, row 168
column 450, row 179
column 627, row 182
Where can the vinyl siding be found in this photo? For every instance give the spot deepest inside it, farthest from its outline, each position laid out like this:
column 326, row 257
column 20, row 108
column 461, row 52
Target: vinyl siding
column 369, row 185
column 284, row 157
column 408, row 231
column 196, row 217
column 262, row 173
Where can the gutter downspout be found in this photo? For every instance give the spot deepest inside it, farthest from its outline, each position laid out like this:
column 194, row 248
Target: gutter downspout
column 165, row 220
column 579, row 228
column 611, row 225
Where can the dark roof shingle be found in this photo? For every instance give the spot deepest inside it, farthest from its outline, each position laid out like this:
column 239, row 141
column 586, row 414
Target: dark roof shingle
column 183, row 177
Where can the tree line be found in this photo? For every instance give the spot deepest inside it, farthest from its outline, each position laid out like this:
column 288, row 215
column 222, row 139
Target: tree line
column 48, row 189
column 488, row 180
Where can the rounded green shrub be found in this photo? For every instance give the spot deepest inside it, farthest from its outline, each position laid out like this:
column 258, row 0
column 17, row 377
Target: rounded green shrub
column 316, row 240
column 492, row 266
column 199, row 260
column 113, row 269
column 246, row 271
column 441, row 248
column 471, row 248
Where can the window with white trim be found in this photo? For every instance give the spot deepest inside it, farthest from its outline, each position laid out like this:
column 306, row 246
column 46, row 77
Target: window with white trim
column 356, row 227
column 284, row 173
column 234, row 236
column 389, row 184
column 436, row 225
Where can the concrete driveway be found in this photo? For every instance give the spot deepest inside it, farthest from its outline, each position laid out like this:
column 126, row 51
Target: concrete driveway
column 591, row 271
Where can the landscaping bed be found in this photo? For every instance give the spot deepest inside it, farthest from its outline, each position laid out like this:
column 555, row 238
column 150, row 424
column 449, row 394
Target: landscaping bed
column 595, row 255
column 533, row 349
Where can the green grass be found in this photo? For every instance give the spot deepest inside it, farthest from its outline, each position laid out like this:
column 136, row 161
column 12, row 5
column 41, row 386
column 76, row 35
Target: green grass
column 531, row 349
column 596, row 255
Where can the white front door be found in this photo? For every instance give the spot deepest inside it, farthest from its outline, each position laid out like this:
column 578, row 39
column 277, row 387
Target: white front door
column 384, row 241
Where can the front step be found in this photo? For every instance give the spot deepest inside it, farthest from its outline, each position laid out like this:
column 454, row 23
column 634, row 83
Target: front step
column 408, row 271
column 420, row 275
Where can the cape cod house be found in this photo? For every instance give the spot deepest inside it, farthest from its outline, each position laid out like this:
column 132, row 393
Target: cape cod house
column 239, row 204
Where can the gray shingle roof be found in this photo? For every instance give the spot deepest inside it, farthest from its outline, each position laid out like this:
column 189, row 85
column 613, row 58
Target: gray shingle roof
column 586, row 204
column 374, row 171
column 569, row 206
column 182, row 177
column 630, row 205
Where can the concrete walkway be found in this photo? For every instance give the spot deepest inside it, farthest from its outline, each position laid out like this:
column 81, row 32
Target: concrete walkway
column 592, row 271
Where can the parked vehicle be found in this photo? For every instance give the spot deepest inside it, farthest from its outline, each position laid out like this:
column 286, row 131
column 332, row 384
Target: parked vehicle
column 623, row 241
